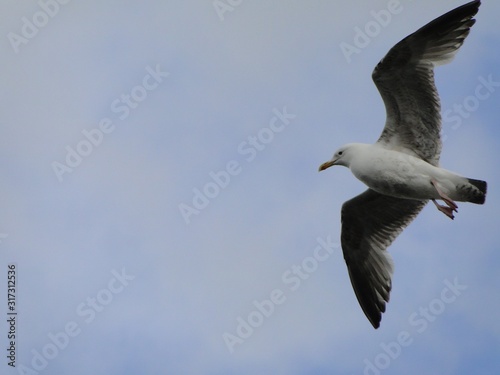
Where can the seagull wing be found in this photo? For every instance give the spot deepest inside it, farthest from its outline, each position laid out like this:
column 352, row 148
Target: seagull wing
column 370, row 223
column 405, row 80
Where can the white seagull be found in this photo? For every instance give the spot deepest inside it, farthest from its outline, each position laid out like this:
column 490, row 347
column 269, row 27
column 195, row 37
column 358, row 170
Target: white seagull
column 402, row 169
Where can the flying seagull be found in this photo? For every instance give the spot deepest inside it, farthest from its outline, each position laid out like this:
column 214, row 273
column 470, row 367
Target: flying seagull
column 402, row 169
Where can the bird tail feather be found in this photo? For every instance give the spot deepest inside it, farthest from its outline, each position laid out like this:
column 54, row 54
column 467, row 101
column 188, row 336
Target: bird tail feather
column 475, row 191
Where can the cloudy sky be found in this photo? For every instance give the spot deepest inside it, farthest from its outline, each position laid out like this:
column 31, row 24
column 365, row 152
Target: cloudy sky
column 161, row 203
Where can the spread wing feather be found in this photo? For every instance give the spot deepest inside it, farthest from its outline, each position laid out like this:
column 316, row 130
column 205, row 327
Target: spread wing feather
column 405, row 80
column 370, row 223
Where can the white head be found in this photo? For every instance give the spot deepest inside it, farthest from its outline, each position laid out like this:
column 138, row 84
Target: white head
column 342, row 156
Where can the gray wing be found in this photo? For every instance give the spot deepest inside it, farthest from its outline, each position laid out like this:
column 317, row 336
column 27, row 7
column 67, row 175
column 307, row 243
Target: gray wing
column 370, row 222
column 405, row 80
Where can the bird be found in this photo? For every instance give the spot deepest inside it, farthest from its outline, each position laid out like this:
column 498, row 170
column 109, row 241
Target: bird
column 401, row 170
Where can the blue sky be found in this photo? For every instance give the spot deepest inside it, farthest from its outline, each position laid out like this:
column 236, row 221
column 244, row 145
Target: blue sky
column 116, row 117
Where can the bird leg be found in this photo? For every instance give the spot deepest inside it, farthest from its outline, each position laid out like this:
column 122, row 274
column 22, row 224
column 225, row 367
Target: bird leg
column 444, row 209
column 451, row 205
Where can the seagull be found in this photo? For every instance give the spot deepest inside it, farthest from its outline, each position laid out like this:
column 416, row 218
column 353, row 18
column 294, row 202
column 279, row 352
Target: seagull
column 402, row 169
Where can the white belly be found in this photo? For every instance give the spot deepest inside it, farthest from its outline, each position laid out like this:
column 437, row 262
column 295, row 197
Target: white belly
column 400, row 175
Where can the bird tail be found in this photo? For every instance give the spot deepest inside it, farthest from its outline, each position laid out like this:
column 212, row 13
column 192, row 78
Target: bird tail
column 474, row 191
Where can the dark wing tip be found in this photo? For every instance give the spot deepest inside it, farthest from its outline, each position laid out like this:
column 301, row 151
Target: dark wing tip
column 372, row 303
column 446, row 34
column 437, row 41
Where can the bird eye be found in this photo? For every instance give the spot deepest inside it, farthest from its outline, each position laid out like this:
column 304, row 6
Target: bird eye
column 340, row 153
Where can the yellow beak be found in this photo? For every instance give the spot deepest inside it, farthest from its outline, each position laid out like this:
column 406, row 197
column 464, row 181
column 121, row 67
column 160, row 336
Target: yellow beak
column 328, row 164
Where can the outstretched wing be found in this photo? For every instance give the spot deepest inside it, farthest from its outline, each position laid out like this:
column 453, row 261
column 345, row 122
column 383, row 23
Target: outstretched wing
column 405, row 80
column 370, row 222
